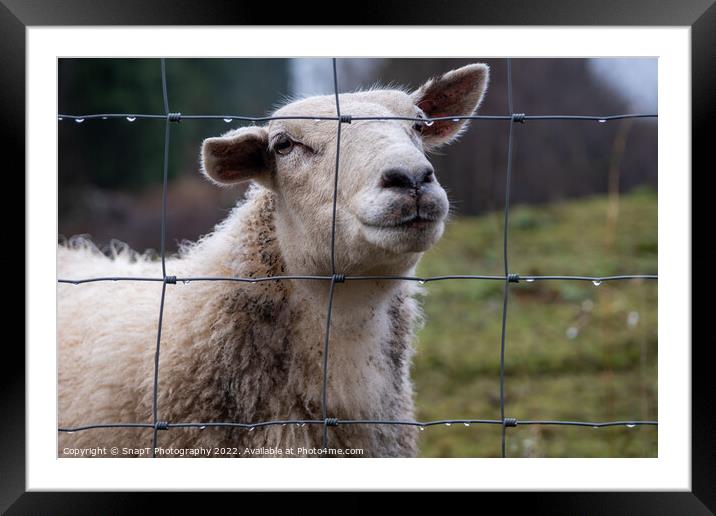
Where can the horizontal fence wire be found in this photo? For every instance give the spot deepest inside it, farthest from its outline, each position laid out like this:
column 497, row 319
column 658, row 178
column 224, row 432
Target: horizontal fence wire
column 518, row 117
column 337, row 422
column 513, row 278
column 326, row 422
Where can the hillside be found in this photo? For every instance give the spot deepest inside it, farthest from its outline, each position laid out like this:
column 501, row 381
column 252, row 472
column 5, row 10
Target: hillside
column 574, row 351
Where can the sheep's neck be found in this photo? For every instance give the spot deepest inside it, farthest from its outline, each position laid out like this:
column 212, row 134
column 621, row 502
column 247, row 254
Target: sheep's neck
column 358, row 308
column 366, row 351
column 358, row 312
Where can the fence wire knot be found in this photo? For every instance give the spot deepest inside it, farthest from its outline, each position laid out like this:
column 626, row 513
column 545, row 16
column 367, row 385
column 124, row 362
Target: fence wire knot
column 346, row 119
column 518, row 117
column 513, row 278
column 339, row 278
column 331, row 421
column 161, row 425
column 171, row 280
column 509, row 421
column 174, row 117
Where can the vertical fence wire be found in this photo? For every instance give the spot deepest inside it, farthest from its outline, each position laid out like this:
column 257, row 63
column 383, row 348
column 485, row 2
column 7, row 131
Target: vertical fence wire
column 324, row 391
column 505, row 257
column 334, row 278
column 165, row 175
column 335, row 176
column 167, row 135
column 155, row 393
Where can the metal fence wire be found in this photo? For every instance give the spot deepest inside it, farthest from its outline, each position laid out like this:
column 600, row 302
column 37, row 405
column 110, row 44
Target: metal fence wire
column 325, row 421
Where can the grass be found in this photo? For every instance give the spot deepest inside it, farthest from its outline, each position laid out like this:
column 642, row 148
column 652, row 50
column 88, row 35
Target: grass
column 574, row 351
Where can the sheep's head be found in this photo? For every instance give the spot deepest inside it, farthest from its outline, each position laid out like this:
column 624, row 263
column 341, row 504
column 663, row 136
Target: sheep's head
column 390, row 206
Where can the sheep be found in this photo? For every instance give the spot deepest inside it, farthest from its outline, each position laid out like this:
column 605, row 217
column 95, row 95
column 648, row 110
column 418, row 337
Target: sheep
column 252, row 352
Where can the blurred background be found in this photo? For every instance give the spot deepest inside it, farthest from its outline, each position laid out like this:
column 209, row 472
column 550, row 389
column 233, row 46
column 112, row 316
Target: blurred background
column 584, row 202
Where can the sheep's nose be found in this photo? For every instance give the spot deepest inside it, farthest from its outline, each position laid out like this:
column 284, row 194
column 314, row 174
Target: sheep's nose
column 404, row 178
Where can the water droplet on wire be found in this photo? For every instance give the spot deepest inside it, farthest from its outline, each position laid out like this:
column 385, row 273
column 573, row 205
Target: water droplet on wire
column 448, row 424
column 202, row 427
column 421, row 282
column 602, row 120
column 59, row 118
column 429, row 122
column 422, row 428
column 530, row 280
column 597, row 282
column 79, row 120
column 228, row 120
column 251, row 429
column 631, row 425
column 466, row 424
column 131, row 118
column 455, row 120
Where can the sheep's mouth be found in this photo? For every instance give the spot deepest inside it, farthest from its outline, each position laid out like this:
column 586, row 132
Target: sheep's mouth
column 410, row 233
column 413, row 222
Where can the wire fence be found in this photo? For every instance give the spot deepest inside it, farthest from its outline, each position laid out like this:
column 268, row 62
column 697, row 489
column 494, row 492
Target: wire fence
column 325, row 421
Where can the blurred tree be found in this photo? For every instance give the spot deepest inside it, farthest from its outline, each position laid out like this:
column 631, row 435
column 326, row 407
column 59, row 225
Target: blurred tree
column 124, row 156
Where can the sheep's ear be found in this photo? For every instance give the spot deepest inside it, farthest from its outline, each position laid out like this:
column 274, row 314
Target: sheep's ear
column 237, row 156
column 458, row 92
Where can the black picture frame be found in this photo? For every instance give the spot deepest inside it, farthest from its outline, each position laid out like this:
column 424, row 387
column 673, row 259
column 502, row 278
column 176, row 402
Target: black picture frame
column 700, row 15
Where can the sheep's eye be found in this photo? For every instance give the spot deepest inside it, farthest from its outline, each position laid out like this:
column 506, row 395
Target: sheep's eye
column 283, row 145
column 418, row 127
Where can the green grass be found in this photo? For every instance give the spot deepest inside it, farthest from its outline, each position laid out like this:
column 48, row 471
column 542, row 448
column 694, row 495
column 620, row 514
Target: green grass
column 571, row 352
